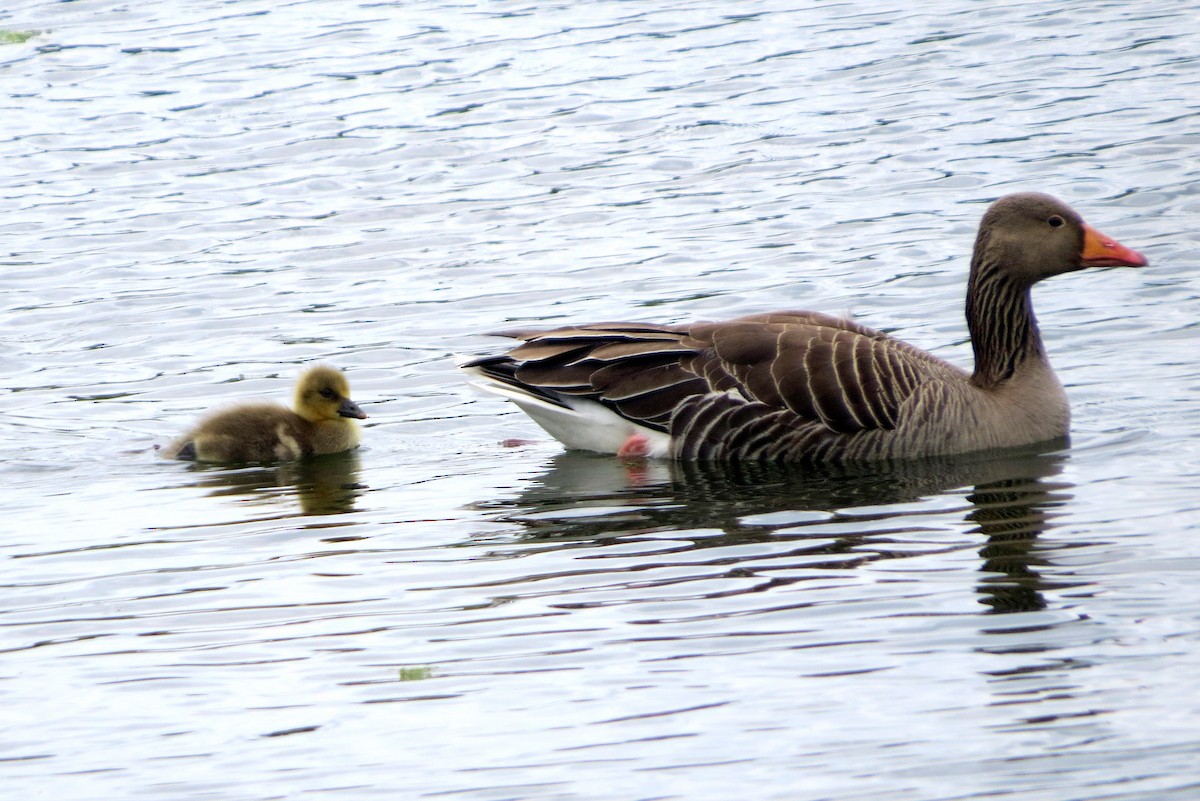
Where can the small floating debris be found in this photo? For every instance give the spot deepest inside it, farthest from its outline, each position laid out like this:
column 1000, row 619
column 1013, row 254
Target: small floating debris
column 16, row 37
column 415, row 673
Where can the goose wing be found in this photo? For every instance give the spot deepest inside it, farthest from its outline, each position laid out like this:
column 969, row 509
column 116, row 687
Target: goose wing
column 820, row 368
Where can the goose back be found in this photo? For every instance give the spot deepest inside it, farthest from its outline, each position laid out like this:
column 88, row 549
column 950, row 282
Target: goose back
column 792, row 385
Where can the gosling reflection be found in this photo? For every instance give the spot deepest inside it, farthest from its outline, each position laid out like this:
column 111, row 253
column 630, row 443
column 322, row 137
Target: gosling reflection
column 323, row 485
column 1010, row 504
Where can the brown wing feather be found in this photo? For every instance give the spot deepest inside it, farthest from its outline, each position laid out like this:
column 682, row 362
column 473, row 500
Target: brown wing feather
column 826, row 371
column 849, row 377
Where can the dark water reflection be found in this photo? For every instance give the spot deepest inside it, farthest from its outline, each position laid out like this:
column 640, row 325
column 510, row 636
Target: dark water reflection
column 321, row 485
column 851, row 515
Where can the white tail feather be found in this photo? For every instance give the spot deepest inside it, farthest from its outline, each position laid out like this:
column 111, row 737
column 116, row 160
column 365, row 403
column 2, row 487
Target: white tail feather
column 580, row 425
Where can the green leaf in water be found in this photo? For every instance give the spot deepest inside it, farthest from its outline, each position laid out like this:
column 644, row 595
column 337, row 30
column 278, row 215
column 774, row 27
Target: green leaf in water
column 16, row 37
column 415, row 673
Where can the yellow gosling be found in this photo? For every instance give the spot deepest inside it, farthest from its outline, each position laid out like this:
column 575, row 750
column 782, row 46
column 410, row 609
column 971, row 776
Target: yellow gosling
column 323, row 422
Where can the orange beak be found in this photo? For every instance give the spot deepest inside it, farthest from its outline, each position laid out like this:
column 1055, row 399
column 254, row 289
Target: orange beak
column 1104, row 251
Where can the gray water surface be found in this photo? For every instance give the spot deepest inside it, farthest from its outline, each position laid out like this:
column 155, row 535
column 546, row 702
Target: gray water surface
column 199, row 198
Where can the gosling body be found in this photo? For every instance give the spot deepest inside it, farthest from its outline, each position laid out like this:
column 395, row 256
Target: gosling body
column 322, row 421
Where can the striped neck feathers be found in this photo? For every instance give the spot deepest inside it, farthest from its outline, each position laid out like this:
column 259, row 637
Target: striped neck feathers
column 1004, row 332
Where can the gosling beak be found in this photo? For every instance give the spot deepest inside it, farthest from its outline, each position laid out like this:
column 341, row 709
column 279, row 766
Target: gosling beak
column 1100, row 250
column 350, row 409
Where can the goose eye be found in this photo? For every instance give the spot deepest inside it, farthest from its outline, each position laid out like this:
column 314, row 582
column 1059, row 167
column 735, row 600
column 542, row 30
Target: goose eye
column 1055, row 221
column 327, row 393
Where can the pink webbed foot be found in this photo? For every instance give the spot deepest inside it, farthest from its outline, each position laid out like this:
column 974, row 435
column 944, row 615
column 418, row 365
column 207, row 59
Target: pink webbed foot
column 636, row 447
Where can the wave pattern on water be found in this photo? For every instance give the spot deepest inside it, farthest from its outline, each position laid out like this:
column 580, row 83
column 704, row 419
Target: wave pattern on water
column 198, row 198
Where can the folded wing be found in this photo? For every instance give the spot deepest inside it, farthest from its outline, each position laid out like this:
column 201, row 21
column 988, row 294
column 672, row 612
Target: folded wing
column 781, row 369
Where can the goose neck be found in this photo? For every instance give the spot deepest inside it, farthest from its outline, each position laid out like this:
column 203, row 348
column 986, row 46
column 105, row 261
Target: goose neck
column 1004, row 332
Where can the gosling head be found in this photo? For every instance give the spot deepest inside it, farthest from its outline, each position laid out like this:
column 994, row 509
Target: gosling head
column 323, row 394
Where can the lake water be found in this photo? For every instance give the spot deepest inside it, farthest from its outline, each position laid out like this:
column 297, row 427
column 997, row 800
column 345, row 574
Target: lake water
column 199, row 198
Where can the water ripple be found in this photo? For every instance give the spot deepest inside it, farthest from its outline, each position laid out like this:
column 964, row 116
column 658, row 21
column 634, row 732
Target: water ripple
column 200, row 198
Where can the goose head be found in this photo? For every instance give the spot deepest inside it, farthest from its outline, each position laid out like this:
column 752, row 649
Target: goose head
column 323, row 394
column 1031, row 236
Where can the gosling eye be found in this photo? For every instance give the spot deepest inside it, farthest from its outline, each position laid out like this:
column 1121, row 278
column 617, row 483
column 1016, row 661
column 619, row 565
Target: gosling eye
column 1055, row 221
column 328, row 394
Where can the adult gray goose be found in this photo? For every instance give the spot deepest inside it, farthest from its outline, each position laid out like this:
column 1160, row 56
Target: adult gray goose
column 806, row 386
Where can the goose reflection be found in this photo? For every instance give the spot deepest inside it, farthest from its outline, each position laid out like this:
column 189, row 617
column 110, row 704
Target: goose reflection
column 1009, row 499
column 1011, row 513
column 322, row 485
